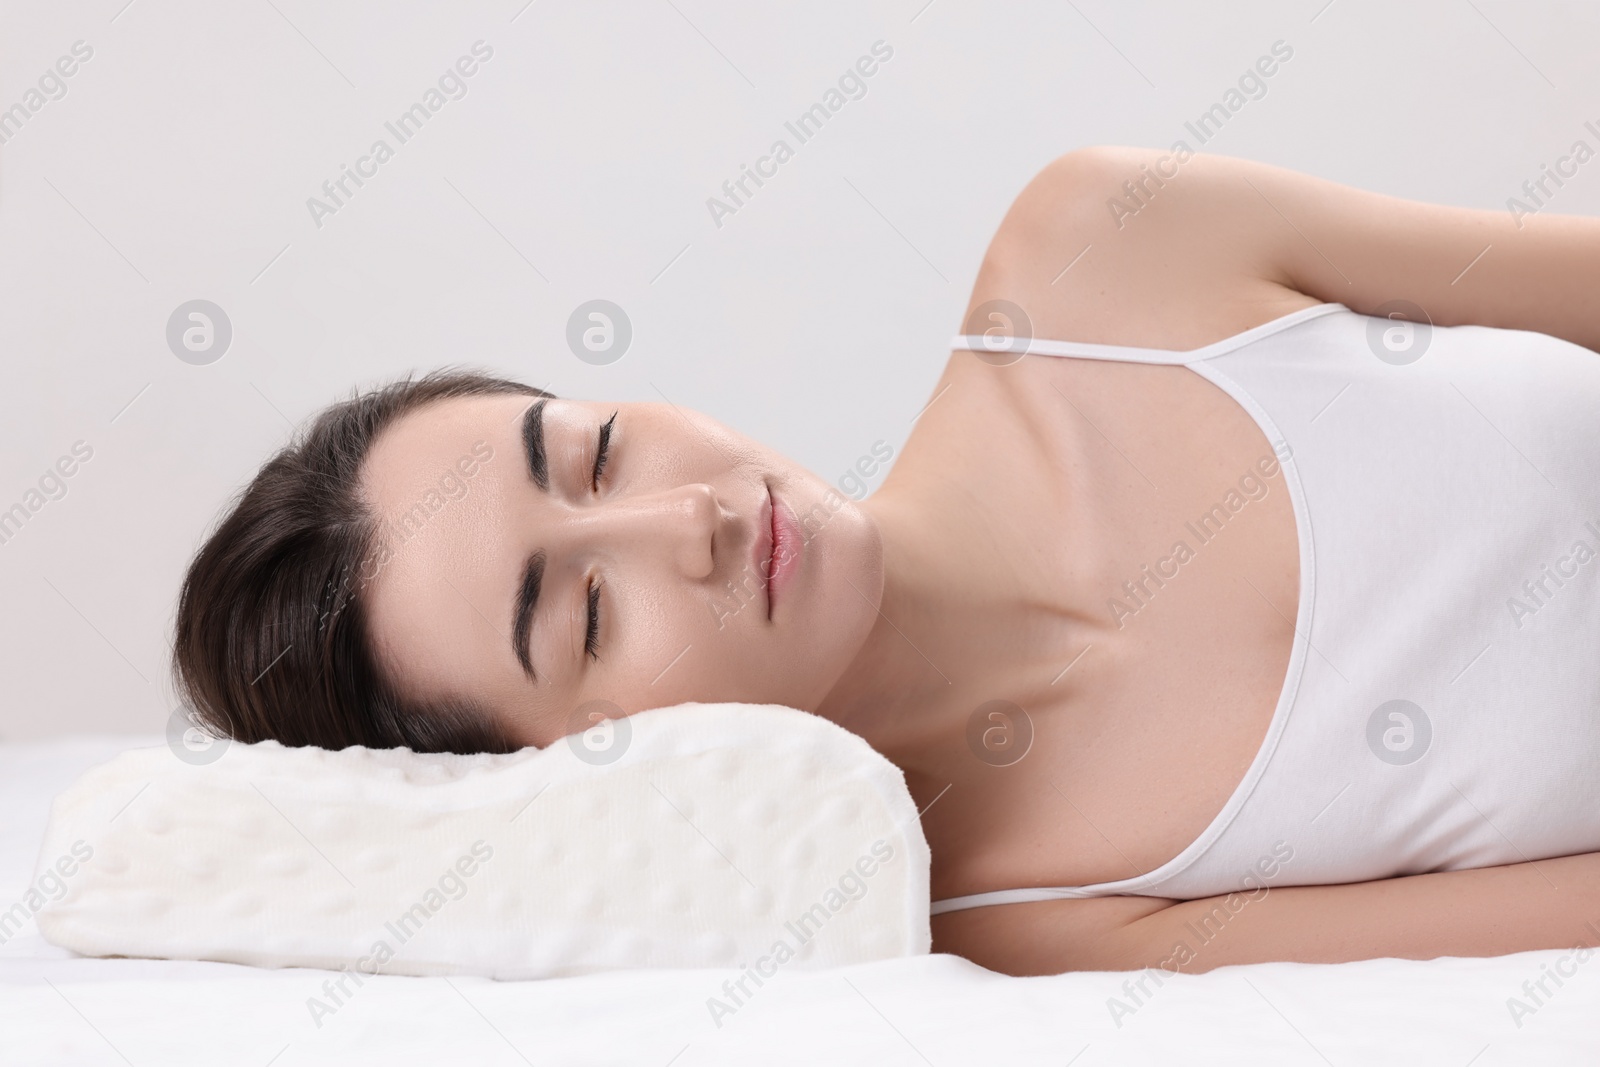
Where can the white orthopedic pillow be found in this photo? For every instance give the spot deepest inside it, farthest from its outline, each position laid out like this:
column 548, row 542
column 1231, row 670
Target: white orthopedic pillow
column 717, row 835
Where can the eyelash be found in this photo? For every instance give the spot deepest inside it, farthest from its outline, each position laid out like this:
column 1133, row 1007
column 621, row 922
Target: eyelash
column 591, row 643
column 603, row 450
column 591, row 639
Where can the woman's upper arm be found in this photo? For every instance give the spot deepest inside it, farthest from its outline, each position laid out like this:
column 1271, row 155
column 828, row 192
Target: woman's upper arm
column 1486, row 911
column 1205, row 231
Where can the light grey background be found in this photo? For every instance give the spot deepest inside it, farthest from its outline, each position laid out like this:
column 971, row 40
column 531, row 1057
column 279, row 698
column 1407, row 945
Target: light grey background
column 179, row 163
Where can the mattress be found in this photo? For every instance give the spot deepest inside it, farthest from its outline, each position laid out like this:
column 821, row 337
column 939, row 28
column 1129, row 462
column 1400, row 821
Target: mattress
column 57, row 1008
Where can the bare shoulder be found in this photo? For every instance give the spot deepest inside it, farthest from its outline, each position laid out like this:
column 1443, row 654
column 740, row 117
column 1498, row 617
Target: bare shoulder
column 1173, row 249
column 1121, row 246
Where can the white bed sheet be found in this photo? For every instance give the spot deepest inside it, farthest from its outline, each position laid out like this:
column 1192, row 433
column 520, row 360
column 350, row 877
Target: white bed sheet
column 59, row 1009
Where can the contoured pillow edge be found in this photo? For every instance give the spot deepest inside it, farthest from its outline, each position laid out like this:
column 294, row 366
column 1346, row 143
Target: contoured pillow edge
column 703, row 844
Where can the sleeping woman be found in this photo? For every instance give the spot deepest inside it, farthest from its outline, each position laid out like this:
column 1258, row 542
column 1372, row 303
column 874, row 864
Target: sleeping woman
column 1235, row 596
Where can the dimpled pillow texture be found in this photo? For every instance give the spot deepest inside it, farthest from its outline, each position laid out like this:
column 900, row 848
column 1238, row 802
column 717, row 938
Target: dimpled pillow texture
column 701, row 835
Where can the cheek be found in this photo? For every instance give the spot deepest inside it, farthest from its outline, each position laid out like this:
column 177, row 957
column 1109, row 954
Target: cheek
column 715, row 645
column 846, row 559
column 702, row 448
column 694, row 645
column 697, row 643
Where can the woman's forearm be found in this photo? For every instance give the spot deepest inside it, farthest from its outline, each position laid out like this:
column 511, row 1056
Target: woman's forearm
column 1488, row 911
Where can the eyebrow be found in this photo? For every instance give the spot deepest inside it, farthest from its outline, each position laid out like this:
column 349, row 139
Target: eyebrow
column 533, row 444
column 527, row 599
column 533, row 570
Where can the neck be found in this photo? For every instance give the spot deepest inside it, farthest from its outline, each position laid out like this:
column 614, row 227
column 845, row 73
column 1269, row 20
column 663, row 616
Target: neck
column 945, row 630
column 964, row 621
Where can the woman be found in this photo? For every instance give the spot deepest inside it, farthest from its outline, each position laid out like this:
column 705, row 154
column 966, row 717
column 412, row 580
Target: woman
column 1244, row 619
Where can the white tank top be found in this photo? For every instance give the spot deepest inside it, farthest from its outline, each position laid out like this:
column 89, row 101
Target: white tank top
column 1441, row 708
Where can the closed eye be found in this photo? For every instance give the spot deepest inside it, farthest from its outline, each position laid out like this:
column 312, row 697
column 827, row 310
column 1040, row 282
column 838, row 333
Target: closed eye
column 602, row 450
column 591, row 640
column 591, row 637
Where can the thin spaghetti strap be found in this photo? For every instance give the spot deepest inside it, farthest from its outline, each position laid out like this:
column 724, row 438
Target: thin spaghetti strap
column 1013, row 348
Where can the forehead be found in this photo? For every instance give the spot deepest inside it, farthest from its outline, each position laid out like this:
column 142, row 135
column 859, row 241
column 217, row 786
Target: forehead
column 439, row 482
column 410, row 455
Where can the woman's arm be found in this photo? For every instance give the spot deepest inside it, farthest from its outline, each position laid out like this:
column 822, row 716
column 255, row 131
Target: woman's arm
column 1219, row 232
column 1487, row 911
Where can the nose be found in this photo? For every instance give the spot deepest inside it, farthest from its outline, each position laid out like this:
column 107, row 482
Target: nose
column 678, row 524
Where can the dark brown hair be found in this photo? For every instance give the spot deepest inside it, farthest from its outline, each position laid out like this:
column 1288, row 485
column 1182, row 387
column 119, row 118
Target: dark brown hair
column 272, row 639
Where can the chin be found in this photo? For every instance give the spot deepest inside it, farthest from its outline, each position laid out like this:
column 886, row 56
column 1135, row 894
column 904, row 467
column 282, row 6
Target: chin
column 832, row 620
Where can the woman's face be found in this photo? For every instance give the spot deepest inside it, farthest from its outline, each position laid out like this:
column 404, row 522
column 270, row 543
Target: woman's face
column 496, row 539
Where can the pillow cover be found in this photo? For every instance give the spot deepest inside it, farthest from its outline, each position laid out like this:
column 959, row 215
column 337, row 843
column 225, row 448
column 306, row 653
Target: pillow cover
column 725, row 835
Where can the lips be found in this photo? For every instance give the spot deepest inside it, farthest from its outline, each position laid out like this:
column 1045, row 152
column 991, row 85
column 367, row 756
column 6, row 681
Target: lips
column 776, row 548
column 787, row 547
column 761, row 550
